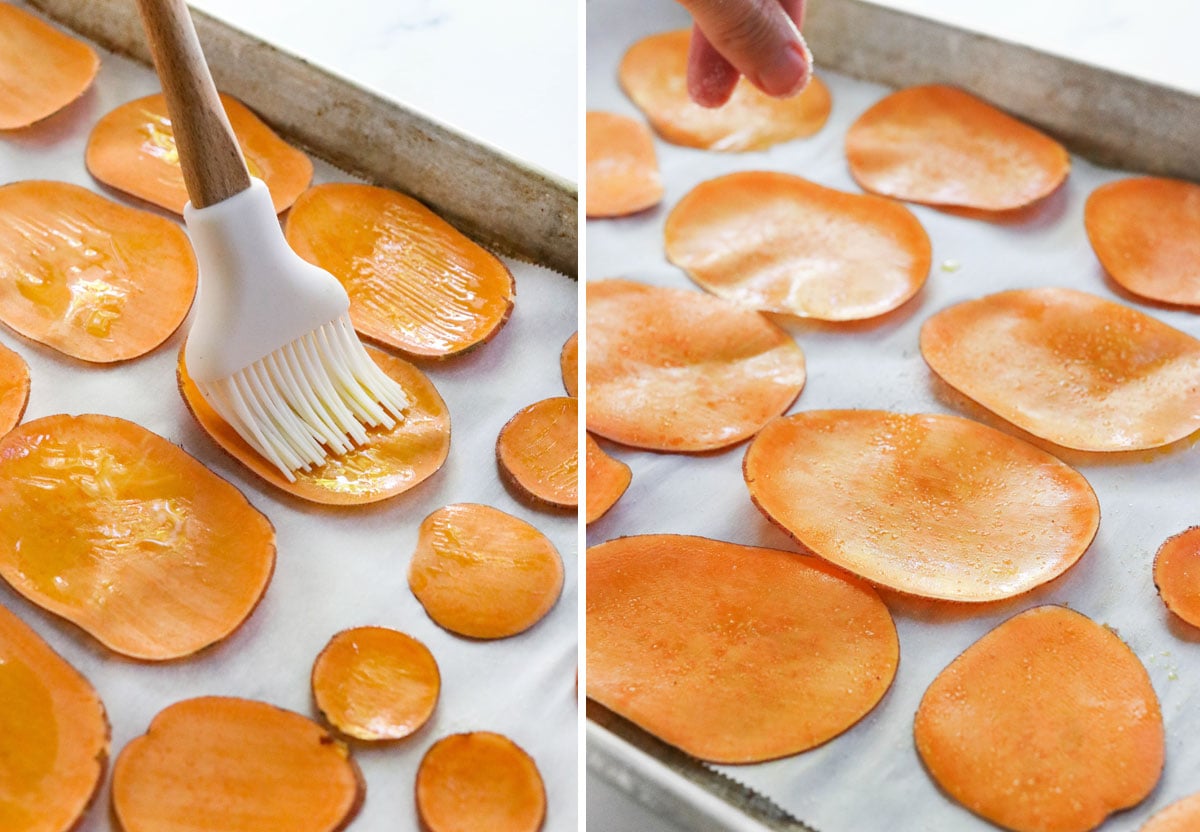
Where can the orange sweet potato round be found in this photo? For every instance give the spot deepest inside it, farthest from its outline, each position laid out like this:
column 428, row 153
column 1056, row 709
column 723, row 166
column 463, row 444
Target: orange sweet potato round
column 622, row 169
column 1181, row 816
column 1078, row 370
column 607, row 479
column 42, row 70
column 779, row 243
column 942, row 146
column 91, row 278
column 415, row 282
column 133, row 150
column 479, row 781
column 931, row 505
column 654, row 74
column 1177, row 574
column 162, row 557
column 14, row 389
column 1046, row 724
column 538, row 451
column 568, row 361
column 673, row 370
column 732, row 653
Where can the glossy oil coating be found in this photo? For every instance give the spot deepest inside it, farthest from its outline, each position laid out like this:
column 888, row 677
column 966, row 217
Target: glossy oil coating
column 220, row 764
column 622, row 168
column 607, row 479
column 780, row 243
column 415, row 282
column 1046, row 724
column 133, row 150
column 568, row 361
column 123, row 534
column 673, row 370
column 538, row 451
column 390, row 463
column 1078, row 370
column 1181, row 816
column 482, row 573
column 734, row 654
column 653, row 74
column 14, row 389
column 53, row 734
column 942, row 146
column 1177, row 575
column 91, row 278
column 42, row 70
column 931, row 505
column 477, row 781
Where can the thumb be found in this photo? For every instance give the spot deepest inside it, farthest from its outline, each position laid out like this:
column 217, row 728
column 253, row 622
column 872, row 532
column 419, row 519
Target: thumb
column 759, row 39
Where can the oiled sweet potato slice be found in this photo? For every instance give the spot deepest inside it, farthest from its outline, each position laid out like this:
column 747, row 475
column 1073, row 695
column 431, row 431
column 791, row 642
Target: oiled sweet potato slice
column 673, row 370
column 1080, row 371
column 568, row 361
column 779, row 243
column 123, row 534
column 538, row 451
column 53, row 734
column 14, row 389
column 734, row 654
column 1046, row 724
column 133, row 150
column 42, row 69
column 939, row 145
column 1181, row 816
column 479, row 781
column 1144, row 231
column 622, row 169
column 1177, row 575
column 220, row 764
column 390, row 463
column 482, row 573
column 931, row 505
column 373, row 683
column 607, row 479
column 91, row 278
column 653, row 74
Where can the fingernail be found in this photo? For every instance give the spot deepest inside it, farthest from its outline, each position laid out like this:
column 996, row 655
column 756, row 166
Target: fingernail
column 788, row 74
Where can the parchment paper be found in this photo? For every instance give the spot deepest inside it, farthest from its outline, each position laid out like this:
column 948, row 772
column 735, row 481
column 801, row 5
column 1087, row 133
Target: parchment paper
column 870, row 779
column 336, row 568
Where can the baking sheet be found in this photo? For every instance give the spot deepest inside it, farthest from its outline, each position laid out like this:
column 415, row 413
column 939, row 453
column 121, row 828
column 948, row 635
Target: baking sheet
column 335, row 568
column 871, row 778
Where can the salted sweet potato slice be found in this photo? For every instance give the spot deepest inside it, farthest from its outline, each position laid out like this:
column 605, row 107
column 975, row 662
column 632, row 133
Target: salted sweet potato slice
column 132, row 149
column 673, row 370
column 478, row 781
column 1181, row 816
column 942, row 146
column 653, row 74
column 538, row 451
column 93, row 279
column 734, row 654
column 622, row 168
column 607, row 479
column 42, row 70
column 220, row 764
column 931, row 505
column 123, row 534
column 1078, row 370
column 53, row 734
column 1046, row 724
column 482, row 573
column 1144, row 231
column 14, row 389
column 780, row 243
column 568, row 361
column 390, row 463
column 1177, row 574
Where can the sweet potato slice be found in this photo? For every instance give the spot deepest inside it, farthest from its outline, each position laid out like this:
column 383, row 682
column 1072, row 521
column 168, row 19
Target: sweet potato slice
column 538, row 451
column 479, row 781
column 220, row 764
column 42, row 70
column 14, row 389
column 653, row 74
column 1177, row 574
column 932, row 505
column 390, row 463
column 1046, row 724
column 673, row 370
column 91, row 278
column 1080, row 371
column 482, row 573
column 133, row 150
column 415, row 282
column 939, row 145
column 1181, row 816
column 607, row 479
column 53, row 734
column 123, row 534
column 1144, row 231
column 373, row 683
column 779, row 243
column 568, row 361
column 734, row 654
column 622, row 169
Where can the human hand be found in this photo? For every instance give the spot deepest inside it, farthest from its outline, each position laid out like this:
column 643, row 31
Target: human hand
column 756, row 38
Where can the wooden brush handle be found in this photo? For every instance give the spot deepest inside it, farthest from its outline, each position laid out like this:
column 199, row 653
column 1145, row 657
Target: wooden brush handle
column 213, row 168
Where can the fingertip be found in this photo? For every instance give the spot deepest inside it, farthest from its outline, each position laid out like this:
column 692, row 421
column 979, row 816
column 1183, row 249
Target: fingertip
column 711, row 79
